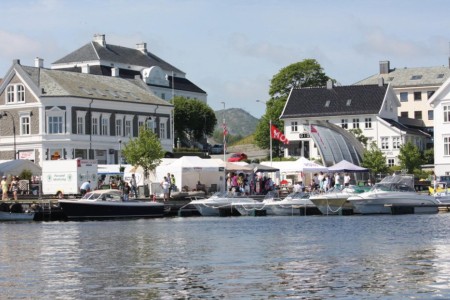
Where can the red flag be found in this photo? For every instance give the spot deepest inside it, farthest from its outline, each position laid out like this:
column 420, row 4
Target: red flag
column 275, row 133
column 314, row 130
column 225, row 130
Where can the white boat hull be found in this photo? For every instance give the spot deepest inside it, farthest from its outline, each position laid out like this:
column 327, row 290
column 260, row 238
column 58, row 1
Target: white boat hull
column 331, row 205
column 212, row 206
column 295, row 207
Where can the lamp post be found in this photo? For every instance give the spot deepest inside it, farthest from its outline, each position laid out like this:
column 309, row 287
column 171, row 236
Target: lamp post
column 224, row 127
column 4, row 114
column 120, row 155
column 270, row 132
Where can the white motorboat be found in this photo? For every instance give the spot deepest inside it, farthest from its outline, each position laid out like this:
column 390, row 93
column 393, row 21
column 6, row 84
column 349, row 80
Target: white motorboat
column 393, row 191
column 220, row 201
column 101, row 204
column 335, row 201
column 245, row 208
column 294, row 204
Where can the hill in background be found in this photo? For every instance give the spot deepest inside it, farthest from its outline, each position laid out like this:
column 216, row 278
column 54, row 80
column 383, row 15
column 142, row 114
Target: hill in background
column 239, row 122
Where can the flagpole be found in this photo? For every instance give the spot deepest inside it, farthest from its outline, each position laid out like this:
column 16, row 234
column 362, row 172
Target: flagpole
column 270, row 134
column 224, row 135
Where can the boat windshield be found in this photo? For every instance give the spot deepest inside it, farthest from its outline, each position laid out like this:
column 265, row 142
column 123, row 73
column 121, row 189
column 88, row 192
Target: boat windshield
column 396, row 183
column 103, row 196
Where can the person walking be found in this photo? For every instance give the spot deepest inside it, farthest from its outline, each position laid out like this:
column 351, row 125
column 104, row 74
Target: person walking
column 14, row 186
column 85, row 188
column 347, row 179
column 168, row 179
column 133, row 184
column 126, row 189
column 173, row 183
column 4, row 185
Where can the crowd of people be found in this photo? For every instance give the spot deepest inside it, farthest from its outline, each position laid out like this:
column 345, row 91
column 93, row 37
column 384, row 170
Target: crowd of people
column 322, row 182
column 253, row 184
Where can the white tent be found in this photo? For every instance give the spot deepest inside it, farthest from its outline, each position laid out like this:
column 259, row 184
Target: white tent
column 189, row 170
column 300, row 165
column 345, row 166
column 15, row 167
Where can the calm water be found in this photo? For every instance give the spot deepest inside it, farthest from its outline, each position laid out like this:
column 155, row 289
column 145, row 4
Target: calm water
column 314, row 257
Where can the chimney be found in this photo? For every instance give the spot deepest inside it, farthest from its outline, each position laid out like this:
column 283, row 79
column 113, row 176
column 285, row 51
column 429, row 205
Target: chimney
column 380, row 81
column 115, row 72
column 16, row 61
column 99, row 39
column 384, row 67
column 38, row 62
column 142, row 47
column 329, row 84
column 85, row 69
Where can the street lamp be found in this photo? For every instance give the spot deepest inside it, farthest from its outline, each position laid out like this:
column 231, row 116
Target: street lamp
column 4, row 114
column 270, row 132
column 120, row 155
column 224, row 126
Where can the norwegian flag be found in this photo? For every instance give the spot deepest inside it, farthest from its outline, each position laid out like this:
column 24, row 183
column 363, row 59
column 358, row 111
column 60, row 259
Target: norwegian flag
column 275, row 133
column 314, row 130
column 225, row 129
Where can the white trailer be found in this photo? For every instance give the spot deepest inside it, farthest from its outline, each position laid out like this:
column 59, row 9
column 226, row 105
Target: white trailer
column 66, row 176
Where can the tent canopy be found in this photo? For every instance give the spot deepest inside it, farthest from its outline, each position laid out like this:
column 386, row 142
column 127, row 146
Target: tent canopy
column 15, row 167
column 300, row 165
column 345, row 166
column 236, row 167
column 262, row 168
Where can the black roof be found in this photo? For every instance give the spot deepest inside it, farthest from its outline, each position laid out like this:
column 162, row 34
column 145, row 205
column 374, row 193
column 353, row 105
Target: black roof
column 339, row 100
column 95, row 52
column 406, row 128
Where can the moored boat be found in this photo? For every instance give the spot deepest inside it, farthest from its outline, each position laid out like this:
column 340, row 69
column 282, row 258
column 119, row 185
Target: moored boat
column 15, row 212
column 220, row 201
column 392, row 192
column 334, row 202
column 294, row 204
column 245, row 208
column 102, row 204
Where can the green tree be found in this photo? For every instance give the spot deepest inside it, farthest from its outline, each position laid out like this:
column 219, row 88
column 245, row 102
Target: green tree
column 428, row 156
column 145, row 151
column 357, row 132
column 307, row 73
column 410, row 157
column 375, row 160
column 194, row 119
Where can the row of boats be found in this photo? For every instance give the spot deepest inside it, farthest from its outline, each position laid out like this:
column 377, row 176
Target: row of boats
column 392, row 193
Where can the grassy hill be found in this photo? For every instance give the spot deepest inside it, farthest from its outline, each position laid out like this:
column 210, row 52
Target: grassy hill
column 239, row 122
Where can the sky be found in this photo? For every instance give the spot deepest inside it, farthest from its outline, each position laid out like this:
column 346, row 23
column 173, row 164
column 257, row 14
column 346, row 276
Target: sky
column 230, row 48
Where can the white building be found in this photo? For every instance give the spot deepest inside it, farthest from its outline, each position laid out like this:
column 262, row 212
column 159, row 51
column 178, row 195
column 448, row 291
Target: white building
column 49, row 114
column 371, row 108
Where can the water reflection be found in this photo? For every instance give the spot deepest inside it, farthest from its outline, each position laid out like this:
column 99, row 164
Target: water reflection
column 389, row 257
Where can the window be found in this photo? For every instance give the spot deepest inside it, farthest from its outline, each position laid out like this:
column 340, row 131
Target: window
column 163, row 96
column 404, row 114
column 119, row 125
column 390, row 162
column 162, row 130
column 349, row 102
column 327, row 103
column 416, row 77
column 446, row 109
column 446, row 145
column 430, row 115
column 80, row 125
column 55, row 124
column 104, row 128
column 344, row 123
column 15, row 93
column 95, row 125
column 418, row 115
column 294, row 126
column 368, row 123
column 127, row 127
column 384, row 143
column 429, row 94
column 396, row 142
column 404, row 97
column 417, row 96
column 24, row 125
column 440, row 76
column 355, row 123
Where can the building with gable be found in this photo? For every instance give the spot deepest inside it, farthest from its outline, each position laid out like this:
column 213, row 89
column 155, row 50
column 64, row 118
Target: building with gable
column 316, row 122
column 413, row 87
column 51, row 114
column 440, row 102
column 99, row 58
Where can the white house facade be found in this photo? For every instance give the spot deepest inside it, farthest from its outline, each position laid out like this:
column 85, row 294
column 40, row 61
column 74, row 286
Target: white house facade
column 50, row 114
column 371, row 108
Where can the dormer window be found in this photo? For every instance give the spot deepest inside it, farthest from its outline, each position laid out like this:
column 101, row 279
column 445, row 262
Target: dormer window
column 327, row 103
column 15, row 93
column 440, row 76
column 416, row 77
column 349, row 101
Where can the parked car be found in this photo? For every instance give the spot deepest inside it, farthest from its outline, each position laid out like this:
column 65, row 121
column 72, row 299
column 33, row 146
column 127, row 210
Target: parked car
column 237, row 157
column 217, row 149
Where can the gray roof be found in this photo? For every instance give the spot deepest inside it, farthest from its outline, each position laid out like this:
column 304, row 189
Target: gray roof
column 424, row 76
column 341, row 100
column 94, row 52
column 70, row 84
column 404, row 127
